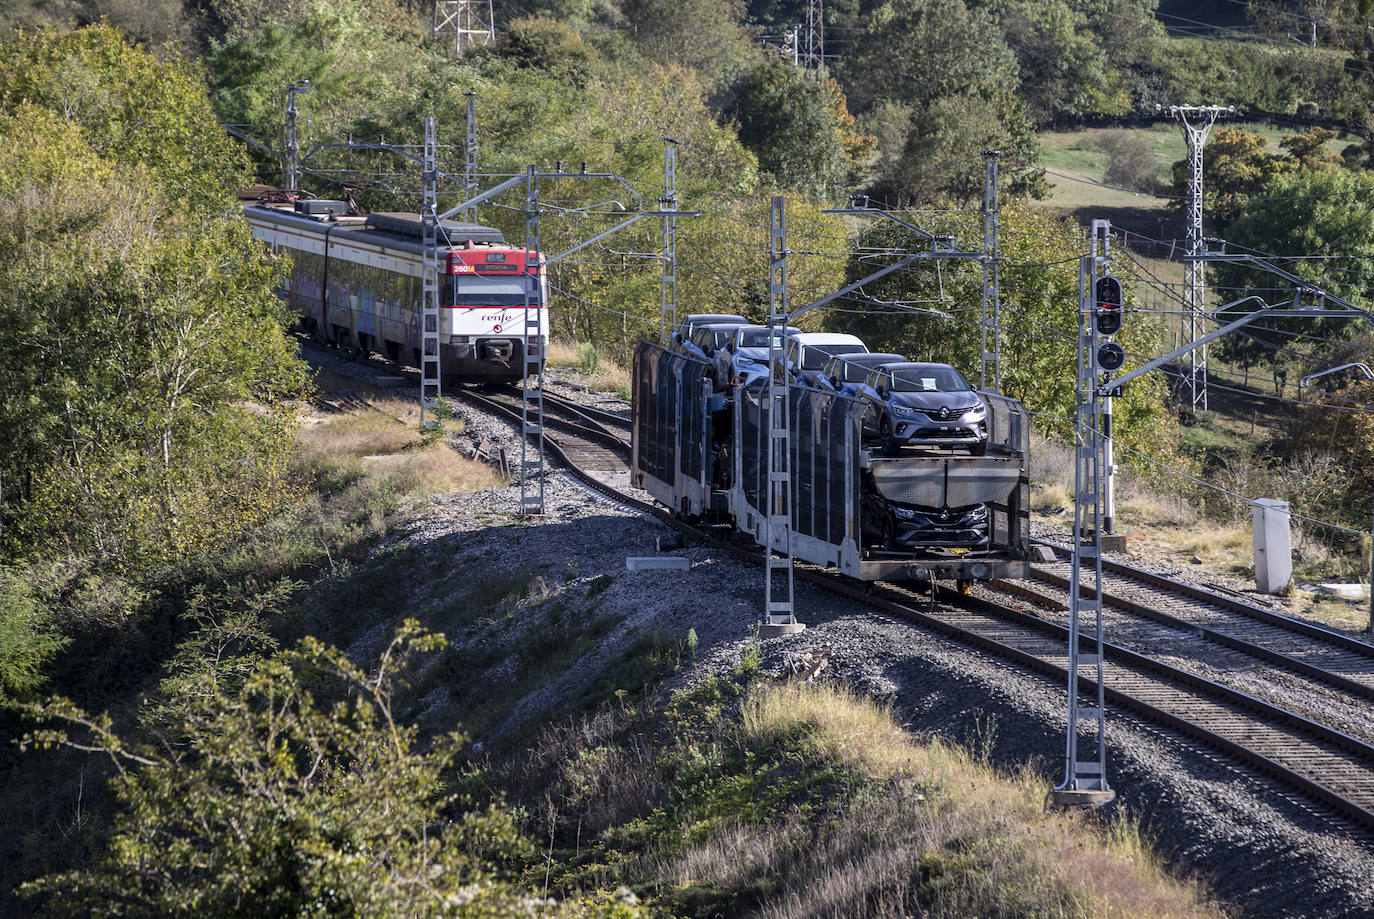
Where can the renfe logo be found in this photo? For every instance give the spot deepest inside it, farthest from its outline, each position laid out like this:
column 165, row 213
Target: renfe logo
column 497, row 319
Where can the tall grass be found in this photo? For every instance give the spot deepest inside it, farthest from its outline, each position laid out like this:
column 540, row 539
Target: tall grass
column 945, row 830
column 798, row 800
column 596, row 370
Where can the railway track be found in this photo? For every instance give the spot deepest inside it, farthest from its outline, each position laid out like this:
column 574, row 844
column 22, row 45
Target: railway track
column 1297, row 755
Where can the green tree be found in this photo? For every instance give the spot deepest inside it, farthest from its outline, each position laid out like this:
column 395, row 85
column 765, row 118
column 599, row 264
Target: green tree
column 297, row 794
column 964, row 102
column 1066, row 70
column 702, row 34
column 1237, row 167
column 295, row 790
column 28, row 637
column 930, row 312
column 141, row 382
column 139, row 112
column 1321, row 213
column 792, row 125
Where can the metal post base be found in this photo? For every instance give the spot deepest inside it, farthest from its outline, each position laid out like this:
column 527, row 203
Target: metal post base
column 776, row 629
column 1082, row 797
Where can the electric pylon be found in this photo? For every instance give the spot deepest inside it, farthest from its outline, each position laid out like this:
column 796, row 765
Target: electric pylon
column 470, row 22
column 1196, row 120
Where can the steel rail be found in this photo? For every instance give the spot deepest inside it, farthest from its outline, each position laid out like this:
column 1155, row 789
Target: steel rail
column 1269, row 617
column 1197, row 707
column 1248, row 648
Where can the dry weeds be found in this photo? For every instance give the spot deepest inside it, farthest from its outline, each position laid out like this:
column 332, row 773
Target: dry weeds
column 384, row 443
column 945, row 831
column 589, row 367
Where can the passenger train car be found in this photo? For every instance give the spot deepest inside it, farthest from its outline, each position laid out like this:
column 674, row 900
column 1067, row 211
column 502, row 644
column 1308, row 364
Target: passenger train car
column 356, row 281
column 913, row 517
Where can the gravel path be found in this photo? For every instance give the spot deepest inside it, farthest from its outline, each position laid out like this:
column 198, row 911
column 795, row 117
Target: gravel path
column 1260, row 852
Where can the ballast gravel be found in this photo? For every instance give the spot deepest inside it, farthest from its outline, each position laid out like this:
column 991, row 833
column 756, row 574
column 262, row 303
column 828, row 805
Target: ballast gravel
column 1261, row 851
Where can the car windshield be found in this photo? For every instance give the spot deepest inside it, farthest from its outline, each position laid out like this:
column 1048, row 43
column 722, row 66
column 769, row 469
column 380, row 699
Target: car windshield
column 721, row 338
column 815, row 356
column 756, row 338
column 929, row 379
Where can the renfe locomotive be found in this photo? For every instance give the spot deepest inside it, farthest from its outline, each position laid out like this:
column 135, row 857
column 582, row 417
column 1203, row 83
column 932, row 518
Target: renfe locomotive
column 357, row 281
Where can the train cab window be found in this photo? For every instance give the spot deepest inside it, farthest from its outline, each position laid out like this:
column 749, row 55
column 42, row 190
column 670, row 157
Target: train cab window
column 477, row 290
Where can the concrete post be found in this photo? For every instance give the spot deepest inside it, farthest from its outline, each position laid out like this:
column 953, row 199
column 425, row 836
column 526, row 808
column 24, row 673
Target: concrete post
column 1273, row 545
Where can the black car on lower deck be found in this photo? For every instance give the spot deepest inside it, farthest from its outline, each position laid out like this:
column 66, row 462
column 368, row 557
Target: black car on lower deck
column 894, row 526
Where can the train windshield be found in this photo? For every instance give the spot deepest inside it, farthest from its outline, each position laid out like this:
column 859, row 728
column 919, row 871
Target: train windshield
column 477, row 290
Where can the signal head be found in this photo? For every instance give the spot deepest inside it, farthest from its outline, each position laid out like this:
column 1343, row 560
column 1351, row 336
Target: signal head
column 1111, row 356
column 1107, row 314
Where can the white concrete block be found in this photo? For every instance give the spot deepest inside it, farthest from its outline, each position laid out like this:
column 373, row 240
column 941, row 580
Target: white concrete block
column 657, row 562
column 1345, row 591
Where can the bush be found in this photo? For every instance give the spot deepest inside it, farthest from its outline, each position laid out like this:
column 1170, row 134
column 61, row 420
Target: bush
column 1132, row 164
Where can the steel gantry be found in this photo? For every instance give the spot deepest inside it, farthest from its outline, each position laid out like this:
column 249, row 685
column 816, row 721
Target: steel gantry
column 291, row 173
column 430, row 374
column 667, row 304
column 470, row 156
column 779, row 612
column 470, row 22
column 1197, row 121
column 1085, row 777
column 992, row 277
column 532, row 397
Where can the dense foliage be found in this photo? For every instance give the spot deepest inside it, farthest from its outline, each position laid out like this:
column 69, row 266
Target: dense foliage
column 144, row 358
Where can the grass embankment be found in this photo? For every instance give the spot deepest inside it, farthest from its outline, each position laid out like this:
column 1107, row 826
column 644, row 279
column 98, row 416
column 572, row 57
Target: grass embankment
column 590, row 367
column 751, row 797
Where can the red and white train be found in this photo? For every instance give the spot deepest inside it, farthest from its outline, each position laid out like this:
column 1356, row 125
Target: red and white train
column 356, row 281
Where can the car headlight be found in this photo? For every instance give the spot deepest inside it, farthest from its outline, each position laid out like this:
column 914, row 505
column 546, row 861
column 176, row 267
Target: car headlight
column 904, row 411
column 903, row 513
column 977, row 413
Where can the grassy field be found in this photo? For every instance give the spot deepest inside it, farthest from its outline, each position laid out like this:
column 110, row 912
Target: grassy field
column 1077, row 162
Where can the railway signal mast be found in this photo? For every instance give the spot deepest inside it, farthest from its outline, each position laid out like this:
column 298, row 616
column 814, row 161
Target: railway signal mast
column 1099, row 317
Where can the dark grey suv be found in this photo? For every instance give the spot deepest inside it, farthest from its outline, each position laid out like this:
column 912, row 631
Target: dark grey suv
column 923, row 405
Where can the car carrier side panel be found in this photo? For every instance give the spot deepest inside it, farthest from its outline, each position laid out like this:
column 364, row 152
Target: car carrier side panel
column 672, row 429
